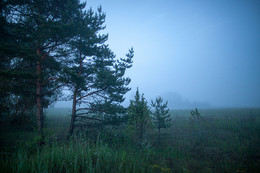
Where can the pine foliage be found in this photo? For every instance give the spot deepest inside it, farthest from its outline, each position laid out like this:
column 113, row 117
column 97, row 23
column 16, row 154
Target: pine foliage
column 160, row 115
column 139, row 120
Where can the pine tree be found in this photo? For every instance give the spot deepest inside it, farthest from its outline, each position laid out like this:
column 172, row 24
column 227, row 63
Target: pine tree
column 195, row 115
column 139, row 117
column 95, row 76
column 161, row 116
column 35, row 51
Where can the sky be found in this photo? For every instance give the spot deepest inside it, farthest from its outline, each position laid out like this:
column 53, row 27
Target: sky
column 195, row 52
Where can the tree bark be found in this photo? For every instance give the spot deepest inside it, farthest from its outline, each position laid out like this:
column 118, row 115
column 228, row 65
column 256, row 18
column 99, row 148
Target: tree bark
column 40, row 118
column 74, row 104
column 73, row 115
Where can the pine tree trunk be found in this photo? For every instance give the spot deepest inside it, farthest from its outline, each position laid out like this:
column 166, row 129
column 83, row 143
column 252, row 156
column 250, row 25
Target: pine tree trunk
column 40, row 117
column 73, row 115
column 74, row 104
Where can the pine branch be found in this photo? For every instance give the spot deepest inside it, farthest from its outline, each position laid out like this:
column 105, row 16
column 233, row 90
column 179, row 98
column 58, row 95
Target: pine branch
column 95, row 92
column 46, row 53
column 91, row 118
column 59, row 86
column 48, row 80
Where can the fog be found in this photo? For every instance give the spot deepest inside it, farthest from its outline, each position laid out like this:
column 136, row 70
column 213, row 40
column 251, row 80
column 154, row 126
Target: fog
column 192, row 53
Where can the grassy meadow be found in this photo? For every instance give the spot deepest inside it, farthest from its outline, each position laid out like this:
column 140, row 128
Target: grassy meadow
column 223, row 140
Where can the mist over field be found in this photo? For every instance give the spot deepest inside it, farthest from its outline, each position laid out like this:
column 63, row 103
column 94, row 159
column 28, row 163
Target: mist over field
column 175, row 101
column 130, row 86
column 193, row 53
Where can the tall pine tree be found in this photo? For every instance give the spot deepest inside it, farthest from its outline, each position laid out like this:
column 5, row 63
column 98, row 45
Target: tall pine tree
column 39, row 33
column 95, row 76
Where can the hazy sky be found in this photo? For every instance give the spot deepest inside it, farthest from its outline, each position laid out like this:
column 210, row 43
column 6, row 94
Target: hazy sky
column 205, row 51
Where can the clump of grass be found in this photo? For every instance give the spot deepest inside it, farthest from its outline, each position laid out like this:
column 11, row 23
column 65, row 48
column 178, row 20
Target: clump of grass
column 76, row 157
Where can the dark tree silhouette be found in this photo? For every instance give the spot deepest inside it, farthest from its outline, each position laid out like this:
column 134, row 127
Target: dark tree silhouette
column 161, row 116
column 39, row 32
column 139, row 119
column 94, row 75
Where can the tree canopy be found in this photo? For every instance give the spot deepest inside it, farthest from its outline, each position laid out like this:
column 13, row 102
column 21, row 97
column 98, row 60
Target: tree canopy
column 48, row 45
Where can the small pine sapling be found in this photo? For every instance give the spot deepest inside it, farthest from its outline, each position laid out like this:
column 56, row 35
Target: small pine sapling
column 161, row 116
column 139, row 117
column 195, row 115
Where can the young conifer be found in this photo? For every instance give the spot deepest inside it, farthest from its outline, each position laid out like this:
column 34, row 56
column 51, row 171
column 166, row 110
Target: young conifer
column 161, row 116
column 139, row 119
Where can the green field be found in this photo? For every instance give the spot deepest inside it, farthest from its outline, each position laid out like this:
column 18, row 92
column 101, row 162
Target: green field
column 224, row 140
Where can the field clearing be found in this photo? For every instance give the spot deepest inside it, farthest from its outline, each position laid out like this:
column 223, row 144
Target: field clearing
column 224, row 140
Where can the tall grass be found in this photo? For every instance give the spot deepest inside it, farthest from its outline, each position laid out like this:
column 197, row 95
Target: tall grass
column 222, row 141
column 77, row 156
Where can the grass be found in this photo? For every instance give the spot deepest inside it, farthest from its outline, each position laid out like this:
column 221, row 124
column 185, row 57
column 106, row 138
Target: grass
column 77, row 157
column 224, row 140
